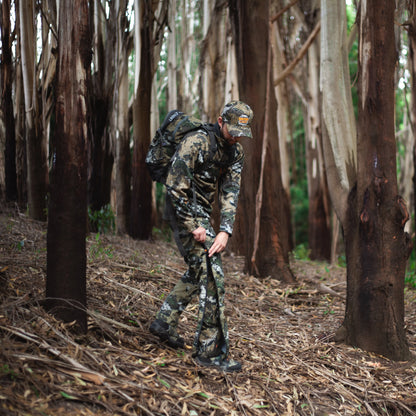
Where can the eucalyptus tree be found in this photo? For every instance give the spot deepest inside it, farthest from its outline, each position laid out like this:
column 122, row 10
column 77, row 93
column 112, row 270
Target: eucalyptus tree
column 19, row 107
column 101, row 88
column 172, row 63
column 150, row 21
column 36, row 146
column 262, row 227
column 301, row 20
column 213, row 59
column 363, row 179
column 67, row 227
column 120, row 120
column 7, row 103
column 411, row 30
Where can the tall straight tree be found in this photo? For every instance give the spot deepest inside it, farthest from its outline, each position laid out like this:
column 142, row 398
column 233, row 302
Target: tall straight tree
column 377, row 246
column 120, row 119
column 66, row 256
column 319, row 234
column 373, row 216
column 212, row 61
column 21, row 166
column 101, row 156
column 150, row 20
column 412, row 67
column 37, row 172
column 7, row 103
column 262, row 228
column 141, row 220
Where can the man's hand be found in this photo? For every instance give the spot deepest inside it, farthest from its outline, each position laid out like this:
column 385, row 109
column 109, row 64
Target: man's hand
column 200, row 234
column 219, row 244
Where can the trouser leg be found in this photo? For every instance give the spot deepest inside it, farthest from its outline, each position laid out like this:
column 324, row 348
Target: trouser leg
column 212, row 333
column 178, row 299
column 213, row 337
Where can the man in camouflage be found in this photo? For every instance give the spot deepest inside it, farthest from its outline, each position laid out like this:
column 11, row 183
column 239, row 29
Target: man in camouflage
column 194, row 178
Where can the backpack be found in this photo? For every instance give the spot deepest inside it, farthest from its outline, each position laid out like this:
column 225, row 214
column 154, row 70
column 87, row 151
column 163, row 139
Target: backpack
column 167, row 138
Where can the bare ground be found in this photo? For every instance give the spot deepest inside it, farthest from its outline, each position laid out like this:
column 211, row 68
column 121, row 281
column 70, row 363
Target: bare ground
column 282, row 335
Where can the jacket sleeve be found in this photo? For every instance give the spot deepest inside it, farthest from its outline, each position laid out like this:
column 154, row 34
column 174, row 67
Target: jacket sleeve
column 229, row 189
column 179, row 186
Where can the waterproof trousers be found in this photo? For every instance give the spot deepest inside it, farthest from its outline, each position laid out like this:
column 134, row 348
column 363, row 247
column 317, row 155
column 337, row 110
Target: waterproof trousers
column 204, row 278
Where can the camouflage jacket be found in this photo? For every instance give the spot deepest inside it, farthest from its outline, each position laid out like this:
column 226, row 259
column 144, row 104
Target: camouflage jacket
column 191, row 164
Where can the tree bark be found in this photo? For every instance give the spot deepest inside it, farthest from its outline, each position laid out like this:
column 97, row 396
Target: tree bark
column 212, row 63
column 251, row 26
column 121, row 134
column 412, row 68
column 141, row 220
column 339, row 144
column 37, row 173
column 21, row 165
column 7, row 105
column 377, row 247
column 66, row 255
column 101, row 155
column 319, row 231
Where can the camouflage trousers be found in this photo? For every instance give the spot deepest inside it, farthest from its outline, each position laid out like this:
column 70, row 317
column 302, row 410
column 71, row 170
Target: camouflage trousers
column 206, row 279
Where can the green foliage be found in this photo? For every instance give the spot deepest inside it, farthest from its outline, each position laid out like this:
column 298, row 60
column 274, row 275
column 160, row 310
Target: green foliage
column 103, row 220
column 164, row 234
column 7, row 371
column 301, row 252
column 410, row 277
column 99, row 249
column 342, row 260
column 353, row 58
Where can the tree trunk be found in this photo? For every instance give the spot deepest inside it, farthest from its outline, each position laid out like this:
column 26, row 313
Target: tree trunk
column 7, row 105
column 339, row 144
column 121, row 128
column 48, row 67
column 172, row 95
column 141, row 220
column 212, row 63
column 412, row 67
column 101, row 156
column 377, row 247
column 187, row 94
column 66, row 262
column 37, row 173
column 251, row 25
column 21, row 165
column 319, row 231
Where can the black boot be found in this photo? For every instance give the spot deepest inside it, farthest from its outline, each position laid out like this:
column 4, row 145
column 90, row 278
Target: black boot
column 166, row 333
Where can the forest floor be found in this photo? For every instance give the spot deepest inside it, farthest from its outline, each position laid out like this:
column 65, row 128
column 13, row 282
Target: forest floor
column 282, row 334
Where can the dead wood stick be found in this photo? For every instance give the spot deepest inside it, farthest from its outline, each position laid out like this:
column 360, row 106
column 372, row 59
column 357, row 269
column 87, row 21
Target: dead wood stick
column 98, row 316
column 97, row 377
column 235, row 394
column 323, row 288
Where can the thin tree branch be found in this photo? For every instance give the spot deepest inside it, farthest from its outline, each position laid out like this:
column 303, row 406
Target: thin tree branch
column 299, row 56
column 276, row 16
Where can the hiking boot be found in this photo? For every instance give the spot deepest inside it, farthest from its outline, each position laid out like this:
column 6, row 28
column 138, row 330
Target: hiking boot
column 166, row 333
column 227, row 366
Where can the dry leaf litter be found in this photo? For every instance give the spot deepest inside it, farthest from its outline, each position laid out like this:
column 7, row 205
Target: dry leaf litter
column 282, row 334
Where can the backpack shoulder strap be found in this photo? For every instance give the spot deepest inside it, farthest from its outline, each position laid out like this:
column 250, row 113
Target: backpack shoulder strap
column 209, row 128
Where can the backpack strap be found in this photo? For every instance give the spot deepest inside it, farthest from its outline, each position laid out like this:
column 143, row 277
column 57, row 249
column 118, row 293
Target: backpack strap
column 209, row 128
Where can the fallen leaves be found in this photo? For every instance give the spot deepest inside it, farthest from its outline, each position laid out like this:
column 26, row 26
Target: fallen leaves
column 281, row 334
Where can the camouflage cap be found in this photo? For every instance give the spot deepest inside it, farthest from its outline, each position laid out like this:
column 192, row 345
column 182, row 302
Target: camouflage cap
column 238, row 116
